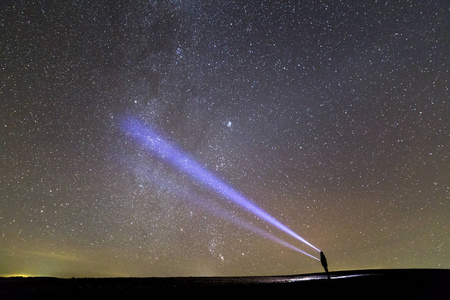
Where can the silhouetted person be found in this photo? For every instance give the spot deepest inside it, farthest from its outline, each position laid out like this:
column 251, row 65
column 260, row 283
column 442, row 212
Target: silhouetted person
column 323, row 261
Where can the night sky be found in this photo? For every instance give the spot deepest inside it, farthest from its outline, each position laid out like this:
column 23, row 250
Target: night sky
column 332, row 116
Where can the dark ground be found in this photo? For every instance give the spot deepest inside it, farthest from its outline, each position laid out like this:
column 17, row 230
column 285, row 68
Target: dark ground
column 363, row 284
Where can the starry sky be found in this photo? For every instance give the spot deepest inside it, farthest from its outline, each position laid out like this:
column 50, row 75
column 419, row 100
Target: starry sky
column 332, row 116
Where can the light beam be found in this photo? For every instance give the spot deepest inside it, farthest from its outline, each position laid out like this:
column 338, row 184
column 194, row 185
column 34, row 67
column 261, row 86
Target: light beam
column 155, row 143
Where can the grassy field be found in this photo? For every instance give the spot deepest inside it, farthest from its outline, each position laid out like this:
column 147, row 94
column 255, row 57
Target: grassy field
column 361, row 284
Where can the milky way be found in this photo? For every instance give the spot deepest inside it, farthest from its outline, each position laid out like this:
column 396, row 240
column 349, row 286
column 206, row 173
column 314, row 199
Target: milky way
column 330, row 116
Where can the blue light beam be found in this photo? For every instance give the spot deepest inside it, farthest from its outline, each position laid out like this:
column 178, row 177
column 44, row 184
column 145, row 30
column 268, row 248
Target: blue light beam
column 155, row 143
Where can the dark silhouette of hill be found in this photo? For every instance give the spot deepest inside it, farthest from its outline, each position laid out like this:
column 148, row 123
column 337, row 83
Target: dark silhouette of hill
column 361, row 284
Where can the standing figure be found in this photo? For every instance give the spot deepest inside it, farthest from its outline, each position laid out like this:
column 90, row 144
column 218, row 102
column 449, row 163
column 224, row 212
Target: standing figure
column 323, row 261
